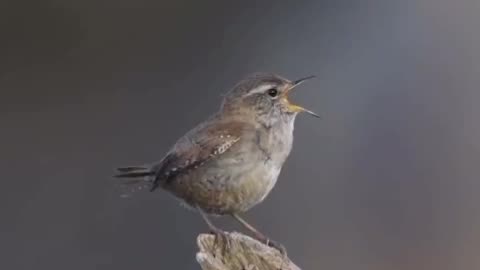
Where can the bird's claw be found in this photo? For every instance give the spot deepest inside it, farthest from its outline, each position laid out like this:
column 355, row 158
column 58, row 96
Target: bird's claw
column 276, row 246
column 221, row 239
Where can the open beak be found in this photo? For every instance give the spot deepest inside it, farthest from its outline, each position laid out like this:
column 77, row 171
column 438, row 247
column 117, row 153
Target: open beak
column 295, row 108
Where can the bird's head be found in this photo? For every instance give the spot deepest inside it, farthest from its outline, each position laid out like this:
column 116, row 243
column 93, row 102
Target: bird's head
column 265, row 95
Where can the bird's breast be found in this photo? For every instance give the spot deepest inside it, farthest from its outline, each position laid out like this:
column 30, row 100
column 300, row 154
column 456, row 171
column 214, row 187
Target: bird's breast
column 266, row 157
column 276, row 142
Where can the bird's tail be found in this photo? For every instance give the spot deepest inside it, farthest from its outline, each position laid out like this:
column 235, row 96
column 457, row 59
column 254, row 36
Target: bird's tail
column 133, row 172
column 137, row 178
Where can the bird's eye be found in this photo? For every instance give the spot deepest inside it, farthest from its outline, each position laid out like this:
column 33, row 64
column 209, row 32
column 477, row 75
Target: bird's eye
column 273, row 92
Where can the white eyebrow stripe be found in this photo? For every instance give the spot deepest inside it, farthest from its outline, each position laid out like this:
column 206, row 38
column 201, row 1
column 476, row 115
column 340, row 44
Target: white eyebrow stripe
column 260, row 89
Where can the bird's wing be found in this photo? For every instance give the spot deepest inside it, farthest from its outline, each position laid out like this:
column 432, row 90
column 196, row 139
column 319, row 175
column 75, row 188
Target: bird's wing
column 196, row 147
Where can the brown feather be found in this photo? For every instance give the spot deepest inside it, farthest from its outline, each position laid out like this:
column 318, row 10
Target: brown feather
column 197, row 147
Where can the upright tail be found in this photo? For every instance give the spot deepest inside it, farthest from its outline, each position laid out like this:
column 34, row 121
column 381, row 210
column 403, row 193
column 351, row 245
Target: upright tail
column 139, row 179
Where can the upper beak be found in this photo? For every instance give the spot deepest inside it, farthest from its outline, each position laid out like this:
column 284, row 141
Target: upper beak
column 296, row 108
column 301, row 80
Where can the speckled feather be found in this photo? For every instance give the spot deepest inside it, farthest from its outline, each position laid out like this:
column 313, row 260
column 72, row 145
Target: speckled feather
column 198, row 146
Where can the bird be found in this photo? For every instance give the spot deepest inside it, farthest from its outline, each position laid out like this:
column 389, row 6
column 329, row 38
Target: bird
column 230, row 162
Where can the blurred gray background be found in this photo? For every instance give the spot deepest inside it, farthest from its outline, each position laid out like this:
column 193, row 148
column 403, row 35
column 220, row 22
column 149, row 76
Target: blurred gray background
column 389, row 179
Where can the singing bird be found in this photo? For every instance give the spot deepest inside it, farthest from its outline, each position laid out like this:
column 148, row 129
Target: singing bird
column 230, row 162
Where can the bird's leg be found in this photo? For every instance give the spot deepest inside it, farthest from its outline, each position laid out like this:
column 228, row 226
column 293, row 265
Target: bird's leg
column 220, row 235
column 260, row 236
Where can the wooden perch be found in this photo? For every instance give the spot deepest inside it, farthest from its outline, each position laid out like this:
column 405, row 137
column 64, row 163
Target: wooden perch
column 243, row 253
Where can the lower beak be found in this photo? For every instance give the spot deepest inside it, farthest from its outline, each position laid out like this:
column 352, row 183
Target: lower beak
column 296, row 108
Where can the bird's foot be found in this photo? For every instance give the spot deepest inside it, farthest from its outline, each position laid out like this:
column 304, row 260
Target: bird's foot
column 221, row 239
column 276, row 246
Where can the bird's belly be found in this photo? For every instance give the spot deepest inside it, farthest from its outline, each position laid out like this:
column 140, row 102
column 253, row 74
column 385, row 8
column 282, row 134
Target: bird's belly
column 252, row 187
column 229, row 188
